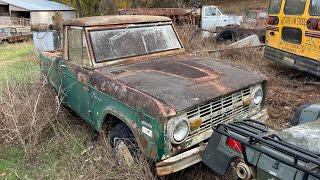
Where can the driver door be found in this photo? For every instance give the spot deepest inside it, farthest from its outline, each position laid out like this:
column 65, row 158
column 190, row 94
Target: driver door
column 211, row 18
column 75, row 86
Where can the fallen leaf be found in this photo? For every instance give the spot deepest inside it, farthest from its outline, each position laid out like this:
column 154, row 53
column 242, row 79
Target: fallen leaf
column 3, row 174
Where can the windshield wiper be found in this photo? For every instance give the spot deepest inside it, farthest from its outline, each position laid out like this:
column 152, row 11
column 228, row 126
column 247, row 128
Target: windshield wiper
column 145, row 32
column 151, row 29
column 121, row 33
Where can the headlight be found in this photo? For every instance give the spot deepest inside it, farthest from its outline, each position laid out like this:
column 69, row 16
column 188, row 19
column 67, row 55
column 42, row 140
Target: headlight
column 181, row 131
column 178, row 130
column 258, row 96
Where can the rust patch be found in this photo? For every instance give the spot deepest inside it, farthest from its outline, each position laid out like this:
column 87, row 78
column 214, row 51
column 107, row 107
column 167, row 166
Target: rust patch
column 132, row 97
column 114, row 20
column 175, row 67
column 143, row 142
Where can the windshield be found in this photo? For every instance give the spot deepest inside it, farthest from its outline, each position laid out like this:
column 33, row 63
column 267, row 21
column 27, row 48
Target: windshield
column 4, row 30
column 274, row 6
column 112, row 44
column 315, row 8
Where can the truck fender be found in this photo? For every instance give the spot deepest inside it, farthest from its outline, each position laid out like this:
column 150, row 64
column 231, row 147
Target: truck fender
column 218, row 156
column 130, row 123
column 226, row 35
column 306, row 113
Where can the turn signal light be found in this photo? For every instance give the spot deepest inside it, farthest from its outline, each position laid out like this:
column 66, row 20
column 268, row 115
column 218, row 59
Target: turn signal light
column 272, row 20
column 195, row 124
column 246, row 102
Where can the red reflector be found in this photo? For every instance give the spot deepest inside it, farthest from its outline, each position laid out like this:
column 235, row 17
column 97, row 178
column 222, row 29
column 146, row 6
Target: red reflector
column 314, row 24
column 319, row 25
column 268, row 20
column 272, row 21
column 234, row 144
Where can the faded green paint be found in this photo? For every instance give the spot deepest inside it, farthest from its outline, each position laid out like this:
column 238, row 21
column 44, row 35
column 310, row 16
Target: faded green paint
column 93, row 105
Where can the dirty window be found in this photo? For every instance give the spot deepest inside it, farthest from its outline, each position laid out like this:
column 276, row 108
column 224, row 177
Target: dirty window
column 292, row 35
column 4, row 30
column 314, row 8
column 13, row 30
column 252, row 15
column 263, row 15
column 274, row 6
column 111, row 44
column 78, row 49
column 211, row 11
column 75, row 45
column 294, row 7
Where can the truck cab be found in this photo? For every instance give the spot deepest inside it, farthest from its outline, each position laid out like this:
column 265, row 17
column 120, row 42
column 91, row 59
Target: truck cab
column 212, row 18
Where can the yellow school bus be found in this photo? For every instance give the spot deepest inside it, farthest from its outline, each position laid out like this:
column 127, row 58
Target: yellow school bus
column 293, row 34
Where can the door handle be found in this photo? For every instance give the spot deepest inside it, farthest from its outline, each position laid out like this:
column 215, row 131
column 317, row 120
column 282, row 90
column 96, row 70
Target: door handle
column 62, row 65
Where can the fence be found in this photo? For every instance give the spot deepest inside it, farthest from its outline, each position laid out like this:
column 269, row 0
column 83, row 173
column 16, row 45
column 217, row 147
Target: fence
column 14, row 21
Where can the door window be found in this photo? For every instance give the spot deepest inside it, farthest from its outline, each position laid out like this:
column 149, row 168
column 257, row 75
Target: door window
column 211, row 11
column 77, row 47
column 252, row 15
column 13, row 30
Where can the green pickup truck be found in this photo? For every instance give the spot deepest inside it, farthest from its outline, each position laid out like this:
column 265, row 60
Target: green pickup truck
column 131, row 76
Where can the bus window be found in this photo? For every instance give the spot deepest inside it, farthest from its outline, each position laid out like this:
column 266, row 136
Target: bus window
column 294, row 7
column 292, row 35
column 315, row 8
column 274, row 6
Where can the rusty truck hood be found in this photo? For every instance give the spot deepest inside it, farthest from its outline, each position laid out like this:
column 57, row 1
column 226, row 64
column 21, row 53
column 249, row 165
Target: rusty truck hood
column 182, row 81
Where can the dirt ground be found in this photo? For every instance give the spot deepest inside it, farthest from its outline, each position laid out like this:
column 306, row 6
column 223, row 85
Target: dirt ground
column 286, row 86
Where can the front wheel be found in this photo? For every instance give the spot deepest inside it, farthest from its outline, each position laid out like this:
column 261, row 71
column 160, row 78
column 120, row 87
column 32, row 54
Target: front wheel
column 4, row 43
column 124, row 144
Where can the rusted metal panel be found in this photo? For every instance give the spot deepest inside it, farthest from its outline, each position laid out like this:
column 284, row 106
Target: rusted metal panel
column 180, row 161
column 114, row 20
column 182, row 81
column 157, row 11
column 178, row 15
column 130, row 96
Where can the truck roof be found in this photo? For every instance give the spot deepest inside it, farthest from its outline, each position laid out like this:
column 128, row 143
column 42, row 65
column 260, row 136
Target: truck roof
column 114, row 20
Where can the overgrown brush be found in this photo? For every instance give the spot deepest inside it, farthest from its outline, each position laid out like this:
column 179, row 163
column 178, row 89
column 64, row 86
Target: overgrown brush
column 26, row 112
column 33, row 123
column 193, row 40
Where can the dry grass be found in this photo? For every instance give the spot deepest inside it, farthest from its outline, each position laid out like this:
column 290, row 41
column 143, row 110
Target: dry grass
column 41, row 140
column 239, row 6
column 286, row 89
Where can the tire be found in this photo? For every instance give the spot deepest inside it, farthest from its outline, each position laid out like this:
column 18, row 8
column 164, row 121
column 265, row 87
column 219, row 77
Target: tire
column 4, row 42
column 124, row 144
column 296, row 118
column 226, row 37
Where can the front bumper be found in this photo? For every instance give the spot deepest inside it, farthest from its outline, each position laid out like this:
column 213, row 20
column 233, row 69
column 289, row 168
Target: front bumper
column 192, row 156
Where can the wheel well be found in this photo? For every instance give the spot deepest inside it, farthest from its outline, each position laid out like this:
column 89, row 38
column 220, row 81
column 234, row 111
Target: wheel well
column 110, row 121
column 226, row 35
column 4, row 40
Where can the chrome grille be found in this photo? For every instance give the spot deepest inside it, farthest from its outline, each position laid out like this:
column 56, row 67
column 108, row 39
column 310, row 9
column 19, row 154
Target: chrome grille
column 219, row 111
